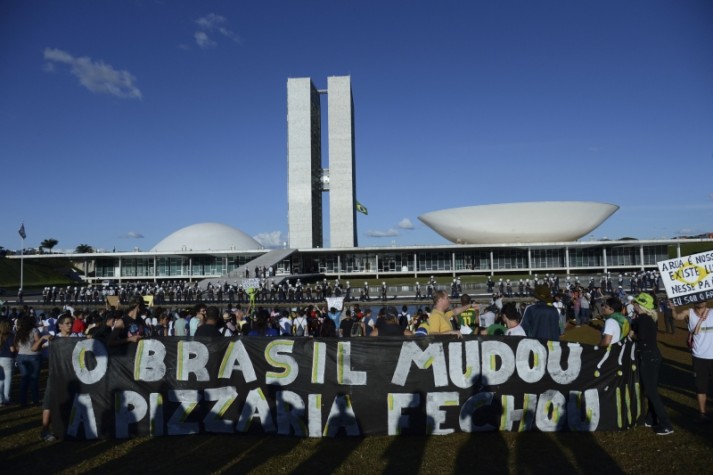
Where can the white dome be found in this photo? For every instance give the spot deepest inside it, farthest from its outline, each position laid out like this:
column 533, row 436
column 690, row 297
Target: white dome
column 207, row 237
column 509, row 223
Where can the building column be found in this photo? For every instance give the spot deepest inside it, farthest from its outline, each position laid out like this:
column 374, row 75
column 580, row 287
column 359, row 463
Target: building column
column 604, row 257
column 529, row 260
column 566, row 259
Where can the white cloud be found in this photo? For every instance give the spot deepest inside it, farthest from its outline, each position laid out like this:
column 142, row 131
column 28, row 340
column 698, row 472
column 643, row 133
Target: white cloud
column 132, row 235
column 96, row 76
column 388, row 233
column 204, row 41
column 271, row 240
column 213, row 24
column 405, row 224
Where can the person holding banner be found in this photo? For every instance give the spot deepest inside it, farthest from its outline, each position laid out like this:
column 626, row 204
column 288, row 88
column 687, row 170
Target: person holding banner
column 65, row 324
column 645, row 329
column 701, row 330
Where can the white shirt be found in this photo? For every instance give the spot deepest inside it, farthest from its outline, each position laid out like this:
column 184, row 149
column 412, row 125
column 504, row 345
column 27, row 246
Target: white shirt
column 612, row 327
column 300, row 322
column 516, row 331
column 703, row 340
column 285, row 326
column 486, row 319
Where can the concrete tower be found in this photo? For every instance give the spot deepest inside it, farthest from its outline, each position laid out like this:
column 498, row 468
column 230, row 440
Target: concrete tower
column 306, row 178
column 304, row 164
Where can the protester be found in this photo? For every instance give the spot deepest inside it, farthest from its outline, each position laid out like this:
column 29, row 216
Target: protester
column 439, row 320
column 644, row 329
column 391, row 325
column 346, row 325
column 541, row 320
column 7, row 361
column 285, row 323
column 467, row 318
column 701, row 330
column 667, row 309
column 299, row 322
column 65, row 327
column 512, row 319
column 29, row 358
column 228, row 328
column 197, row 319
column 327, row 329
column 210, row 324
column 179, row 325
column 487, row 318
column 261, row 325
column 616, row 325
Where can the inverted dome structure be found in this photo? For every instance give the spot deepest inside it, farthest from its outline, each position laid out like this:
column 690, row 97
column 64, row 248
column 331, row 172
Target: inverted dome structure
column 207, row 237
column 528, row 222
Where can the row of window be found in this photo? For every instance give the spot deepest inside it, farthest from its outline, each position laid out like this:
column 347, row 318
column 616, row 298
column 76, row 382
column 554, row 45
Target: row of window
column 394, row 262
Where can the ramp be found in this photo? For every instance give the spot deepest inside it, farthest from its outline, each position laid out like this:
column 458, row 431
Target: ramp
column 267, row 260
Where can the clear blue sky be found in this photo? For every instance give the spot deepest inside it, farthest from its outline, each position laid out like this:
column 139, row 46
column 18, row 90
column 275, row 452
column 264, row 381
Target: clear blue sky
column 123, row 121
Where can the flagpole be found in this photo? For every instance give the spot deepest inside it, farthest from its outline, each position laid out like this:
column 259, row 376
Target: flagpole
column 22, row 265
column 22, row 260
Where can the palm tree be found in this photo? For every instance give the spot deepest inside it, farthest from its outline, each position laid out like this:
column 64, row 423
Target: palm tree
column 84, row 249
column 48, row 244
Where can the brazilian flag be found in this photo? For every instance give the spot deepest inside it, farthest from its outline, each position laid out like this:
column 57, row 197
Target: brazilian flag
column 361, row 208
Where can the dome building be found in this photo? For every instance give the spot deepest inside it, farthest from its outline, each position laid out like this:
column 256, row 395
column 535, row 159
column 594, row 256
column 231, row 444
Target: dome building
column 207, row 237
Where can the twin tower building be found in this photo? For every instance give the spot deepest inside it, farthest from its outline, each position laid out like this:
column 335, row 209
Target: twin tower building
column 307, row 179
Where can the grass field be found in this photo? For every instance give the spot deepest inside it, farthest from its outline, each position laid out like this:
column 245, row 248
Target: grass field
column 689, row 450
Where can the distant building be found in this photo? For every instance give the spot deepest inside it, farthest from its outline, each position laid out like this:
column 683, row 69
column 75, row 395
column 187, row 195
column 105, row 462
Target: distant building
column 306, row 178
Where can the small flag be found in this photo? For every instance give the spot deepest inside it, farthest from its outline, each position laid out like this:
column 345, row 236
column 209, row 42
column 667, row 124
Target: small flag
column 22, row 231
column 361, row 208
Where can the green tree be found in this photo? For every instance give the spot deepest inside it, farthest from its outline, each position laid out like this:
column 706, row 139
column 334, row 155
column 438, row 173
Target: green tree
column 84, row 249
column 49, row 244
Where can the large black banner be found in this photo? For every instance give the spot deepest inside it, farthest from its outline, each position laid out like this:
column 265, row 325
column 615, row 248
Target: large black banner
column 325, row 387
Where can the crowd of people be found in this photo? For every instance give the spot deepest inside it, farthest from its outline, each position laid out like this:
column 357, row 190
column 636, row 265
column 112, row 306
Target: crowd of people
column 25, row 335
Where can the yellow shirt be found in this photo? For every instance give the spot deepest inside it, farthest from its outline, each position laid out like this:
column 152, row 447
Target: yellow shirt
column 440, row 322
column 467, row 318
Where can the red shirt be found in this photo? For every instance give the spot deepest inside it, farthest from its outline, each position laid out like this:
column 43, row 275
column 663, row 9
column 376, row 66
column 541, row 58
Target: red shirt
column 79, row 326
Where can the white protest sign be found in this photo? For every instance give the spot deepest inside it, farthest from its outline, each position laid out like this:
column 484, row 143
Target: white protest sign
column 688, row 279
column 251, row 283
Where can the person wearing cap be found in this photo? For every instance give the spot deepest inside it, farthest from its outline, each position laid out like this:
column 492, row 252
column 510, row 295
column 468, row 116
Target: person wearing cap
column 541, row 320
column 228, row 328
column 701, row 335
column 644, row 330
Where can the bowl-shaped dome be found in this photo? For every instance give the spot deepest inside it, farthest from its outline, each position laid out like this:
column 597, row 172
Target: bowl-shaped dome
column 541, row 221
column 207, row 237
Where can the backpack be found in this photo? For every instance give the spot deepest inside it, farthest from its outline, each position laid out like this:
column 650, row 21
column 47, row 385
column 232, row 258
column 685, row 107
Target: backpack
column 356, row 329
column 299, row 326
